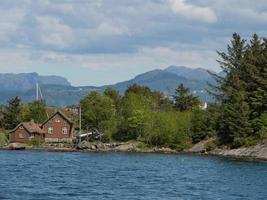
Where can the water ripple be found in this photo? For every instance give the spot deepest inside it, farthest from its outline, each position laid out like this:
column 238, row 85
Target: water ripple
column 30, row 175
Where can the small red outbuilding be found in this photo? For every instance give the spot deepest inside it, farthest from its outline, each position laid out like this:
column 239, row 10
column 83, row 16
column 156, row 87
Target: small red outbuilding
column 25, row 132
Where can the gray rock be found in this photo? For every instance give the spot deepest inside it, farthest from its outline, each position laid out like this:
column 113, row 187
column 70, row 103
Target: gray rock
column 100, row 145
column 84, row 145
column 164, row 150
column 16, row 146
column 93, row 147
column 126, row 147
column 199, row 147
column 258, row 151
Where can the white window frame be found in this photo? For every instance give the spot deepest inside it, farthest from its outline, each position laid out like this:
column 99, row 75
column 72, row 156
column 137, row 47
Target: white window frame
column 21, row 135
column 64, row 130
column 50, row 130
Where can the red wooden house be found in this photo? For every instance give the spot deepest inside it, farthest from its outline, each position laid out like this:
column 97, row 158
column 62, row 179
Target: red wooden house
column 58, row 128
column 25, row 132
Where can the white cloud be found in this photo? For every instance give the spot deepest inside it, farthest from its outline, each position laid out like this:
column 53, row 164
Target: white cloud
column 148, row 57
column 53, row 32
column 193, row 12
column 14, row 60
column 107, row 29
column 54, row 57
column 9, row 23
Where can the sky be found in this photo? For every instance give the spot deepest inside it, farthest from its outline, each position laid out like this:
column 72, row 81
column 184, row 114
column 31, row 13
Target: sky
column 97, row 42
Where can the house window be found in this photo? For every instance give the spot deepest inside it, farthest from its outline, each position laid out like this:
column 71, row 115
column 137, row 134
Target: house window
column 21, row 127
column 21, row 135
column 64, row 130
column 50, row 130
column 57, row 120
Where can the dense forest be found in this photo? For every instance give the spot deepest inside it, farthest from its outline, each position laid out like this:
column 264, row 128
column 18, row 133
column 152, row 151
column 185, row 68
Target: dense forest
column 239, row 116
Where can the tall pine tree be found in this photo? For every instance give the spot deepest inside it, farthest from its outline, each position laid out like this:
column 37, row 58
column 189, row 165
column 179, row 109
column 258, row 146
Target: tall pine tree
column 11, row 114
column 254, row 81
column 243, row 91
column 184, row 100
column 233, row 119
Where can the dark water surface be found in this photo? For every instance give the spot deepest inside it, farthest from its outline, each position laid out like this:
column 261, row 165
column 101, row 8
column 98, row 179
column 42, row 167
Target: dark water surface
column 48, row 175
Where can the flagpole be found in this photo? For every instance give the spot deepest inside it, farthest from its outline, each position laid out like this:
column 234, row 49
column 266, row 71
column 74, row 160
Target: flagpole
column 80, row 123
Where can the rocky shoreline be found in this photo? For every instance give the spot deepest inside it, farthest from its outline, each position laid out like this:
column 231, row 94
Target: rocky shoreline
column 90, row 147
column 257, row 152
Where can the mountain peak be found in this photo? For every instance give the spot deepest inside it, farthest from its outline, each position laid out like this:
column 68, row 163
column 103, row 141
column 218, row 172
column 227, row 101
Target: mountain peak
column 26, row 81
column 189, row 73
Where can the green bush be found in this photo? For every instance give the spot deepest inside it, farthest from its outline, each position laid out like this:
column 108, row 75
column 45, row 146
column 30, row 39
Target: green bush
column 262, row 134
column 142, row 145
column 203, row 123
column 3, row 139
column 34, row 142
column 106, row 138
column 211, row 145
column 244, row 141
column 168, row 129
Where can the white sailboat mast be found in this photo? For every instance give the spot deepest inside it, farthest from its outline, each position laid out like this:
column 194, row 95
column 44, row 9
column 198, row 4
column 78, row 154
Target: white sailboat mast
column 37, row 91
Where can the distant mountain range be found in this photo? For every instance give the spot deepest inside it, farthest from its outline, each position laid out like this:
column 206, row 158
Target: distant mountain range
column 26, row 81
column 58, row 91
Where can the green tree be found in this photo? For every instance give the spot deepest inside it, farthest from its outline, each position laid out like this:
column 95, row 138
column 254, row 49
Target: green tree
column 115, row 96
column 204, row 123
column 234, row 118
column 157, row 100
column 184, row 100
column 199, row 127
column 11, row 114
column 231, row 63
column 133, row 118
column 171, row 129
column 35, row 110
column 254, row 80
column 138, row 89
column 97, row 112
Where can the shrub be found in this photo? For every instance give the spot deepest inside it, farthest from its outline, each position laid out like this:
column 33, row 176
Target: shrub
column 3, row 139
column 244, row 141
column 34, row 142
column 168, row 129
column 203, row 124
column 142, row 145
column 106, row 138
column 262, row 134
column 211, row 145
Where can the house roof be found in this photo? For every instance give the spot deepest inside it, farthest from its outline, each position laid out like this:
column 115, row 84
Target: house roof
column 31, row 127
column 61, row 114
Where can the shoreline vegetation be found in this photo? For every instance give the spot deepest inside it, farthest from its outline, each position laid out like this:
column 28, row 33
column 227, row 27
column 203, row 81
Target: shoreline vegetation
column 235, row 124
